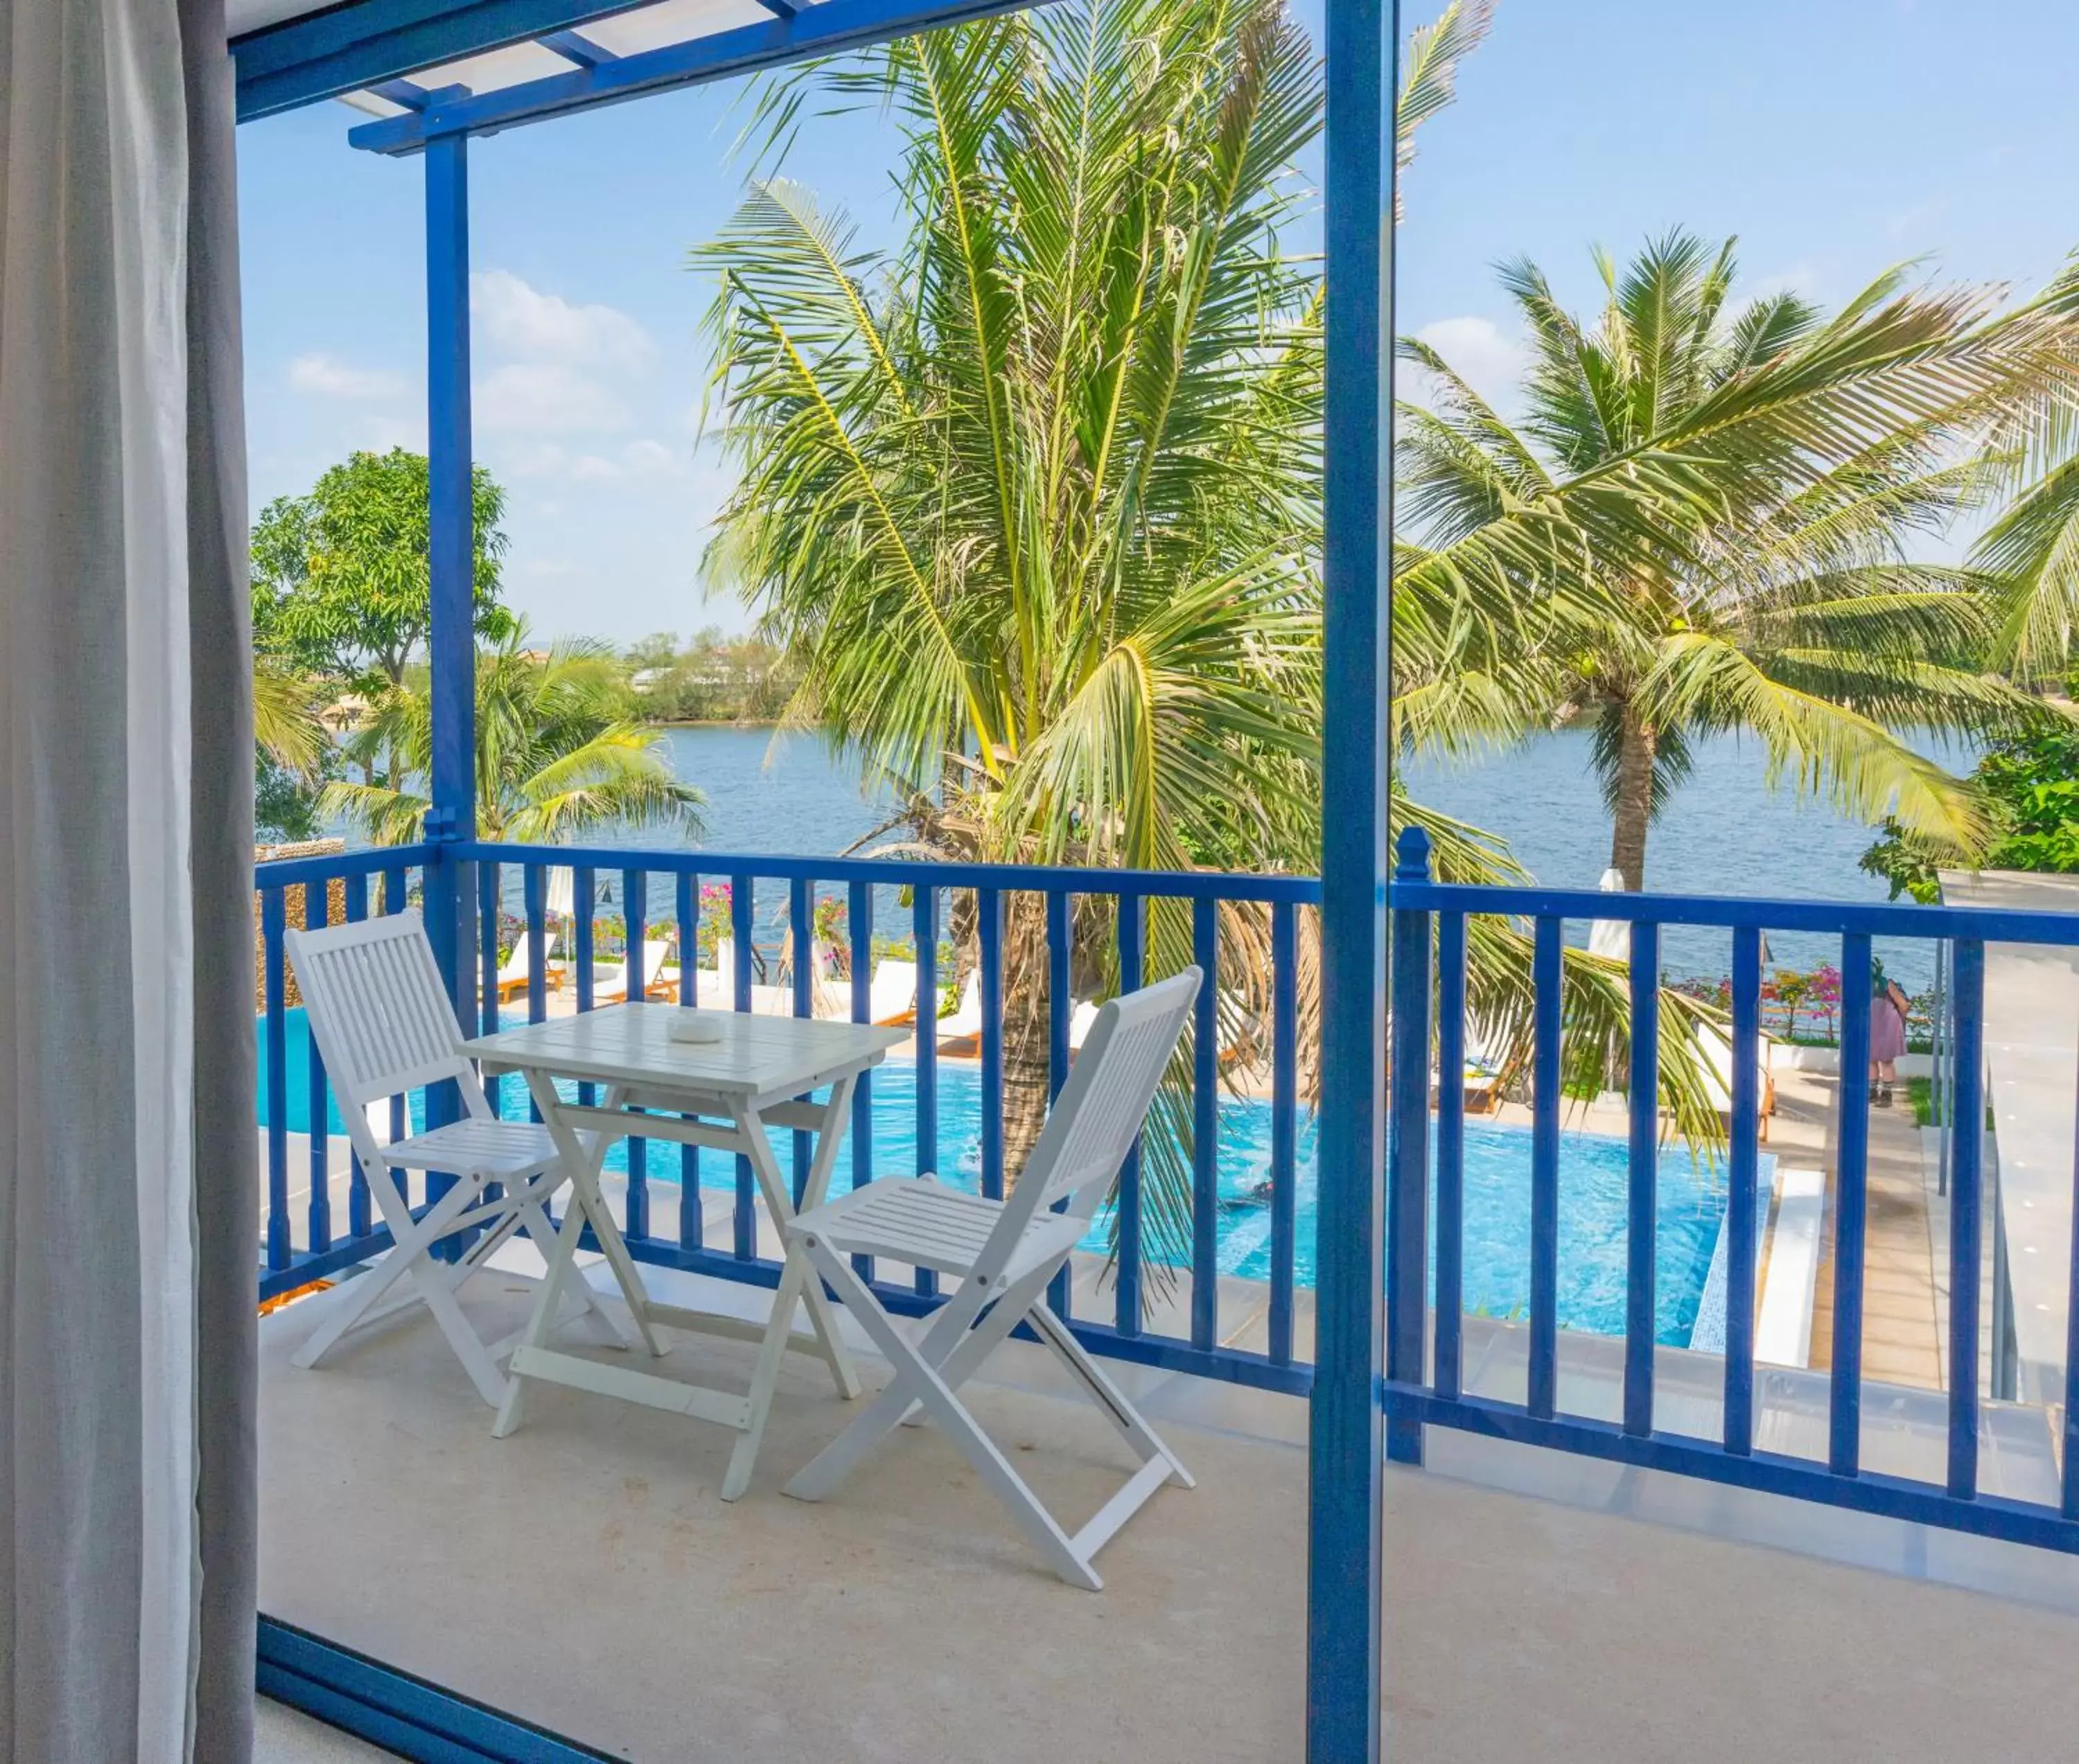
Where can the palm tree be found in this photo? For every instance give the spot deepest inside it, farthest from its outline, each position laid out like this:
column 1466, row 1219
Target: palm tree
column 2031, row 552
column 286, row 726
column 1708, row 512
column 556, row 754
column 1020, row 496
column 1036, row 500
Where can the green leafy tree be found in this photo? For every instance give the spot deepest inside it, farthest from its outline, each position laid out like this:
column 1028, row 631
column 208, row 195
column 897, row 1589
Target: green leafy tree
column 1708, row 511
column 556, row 755
column 2030, row 784
column 341, row 582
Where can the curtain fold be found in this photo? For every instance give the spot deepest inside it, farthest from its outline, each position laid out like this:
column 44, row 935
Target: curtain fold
column 127, row 1149
column 227, row 1174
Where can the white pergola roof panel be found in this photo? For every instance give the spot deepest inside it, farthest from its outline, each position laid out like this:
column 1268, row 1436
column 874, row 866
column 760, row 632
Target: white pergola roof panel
column 500, row 63
column 673, row 21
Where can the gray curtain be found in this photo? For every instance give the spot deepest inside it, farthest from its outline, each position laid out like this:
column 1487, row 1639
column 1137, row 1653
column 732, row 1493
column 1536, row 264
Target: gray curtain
column 126, row 1146
column 220, row 863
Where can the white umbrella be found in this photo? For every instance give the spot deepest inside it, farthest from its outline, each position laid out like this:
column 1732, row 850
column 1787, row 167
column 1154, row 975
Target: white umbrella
column 562, row 903
column 1611, row 937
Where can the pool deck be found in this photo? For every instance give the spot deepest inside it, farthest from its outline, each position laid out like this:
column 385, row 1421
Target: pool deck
column 584, row 1574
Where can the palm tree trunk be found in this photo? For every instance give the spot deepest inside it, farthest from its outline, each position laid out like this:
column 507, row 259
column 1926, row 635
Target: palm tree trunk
column 1026, row 1021
column 1634, row 803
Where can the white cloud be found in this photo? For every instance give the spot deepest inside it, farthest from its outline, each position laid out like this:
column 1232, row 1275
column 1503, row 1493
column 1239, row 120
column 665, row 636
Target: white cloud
column 517, row 318
column 652, row 459
column 329, row 377
column 1489, row 359
column 545, row 398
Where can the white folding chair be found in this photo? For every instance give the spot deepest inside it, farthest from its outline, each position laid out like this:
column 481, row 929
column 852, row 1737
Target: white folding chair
column 385, row 1027
column 1003, row 1254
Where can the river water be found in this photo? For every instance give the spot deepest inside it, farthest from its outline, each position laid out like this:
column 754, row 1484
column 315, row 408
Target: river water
column 1725, row 832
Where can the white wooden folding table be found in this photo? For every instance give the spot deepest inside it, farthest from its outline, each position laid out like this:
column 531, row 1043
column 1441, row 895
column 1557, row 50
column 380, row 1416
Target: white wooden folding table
column 721, row 1095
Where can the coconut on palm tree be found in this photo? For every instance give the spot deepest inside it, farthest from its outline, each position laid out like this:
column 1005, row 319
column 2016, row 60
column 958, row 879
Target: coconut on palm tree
column 1711, row 513
column 557, row 754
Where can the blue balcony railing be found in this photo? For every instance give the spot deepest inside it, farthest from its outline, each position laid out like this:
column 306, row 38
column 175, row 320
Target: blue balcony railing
column 661, row 896
column 1172, row 1316
column 1425, row 1370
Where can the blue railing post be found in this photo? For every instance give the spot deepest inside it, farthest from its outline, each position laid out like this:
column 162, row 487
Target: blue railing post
column 1407, row 1185
column 1844, row 1428
column 1743, row 1195
column 1345, row 1419
column 1642, row 1214
column 1547, row 1075
column 1967, row 1130
column 275, row 986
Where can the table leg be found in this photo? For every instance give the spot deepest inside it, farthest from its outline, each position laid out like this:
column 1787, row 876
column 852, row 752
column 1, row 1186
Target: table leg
column 586, row 1204
column 830, row 1136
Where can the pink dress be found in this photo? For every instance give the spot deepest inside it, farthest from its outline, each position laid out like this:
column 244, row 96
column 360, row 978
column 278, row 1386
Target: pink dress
column 1887, row 1028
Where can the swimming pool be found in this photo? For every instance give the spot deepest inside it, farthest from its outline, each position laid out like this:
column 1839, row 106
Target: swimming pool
column 1593, row 1185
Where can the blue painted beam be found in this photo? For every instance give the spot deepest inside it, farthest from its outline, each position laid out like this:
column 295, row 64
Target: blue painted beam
column 397, row 1709
column 578, row 49
column 1346, row 1417
column 350, row 49
column 780, row 9
column 826, row 29
column 412, row 96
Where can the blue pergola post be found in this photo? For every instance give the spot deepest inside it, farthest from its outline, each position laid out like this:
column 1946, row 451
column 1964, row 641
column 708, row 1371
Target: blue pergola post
column 1346, row 1427
column 452, row 644
column 452, row 517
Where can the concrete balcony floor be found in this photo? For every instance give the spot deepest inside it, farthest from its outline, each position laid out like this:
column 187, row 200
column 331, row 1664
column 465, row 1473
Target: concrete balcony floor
column 584, row 1574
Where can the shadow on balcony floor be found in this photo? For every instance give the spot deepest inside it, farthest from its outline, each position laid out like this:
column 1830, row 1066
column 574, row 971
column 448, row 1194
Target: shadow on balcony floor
column 584, row 1574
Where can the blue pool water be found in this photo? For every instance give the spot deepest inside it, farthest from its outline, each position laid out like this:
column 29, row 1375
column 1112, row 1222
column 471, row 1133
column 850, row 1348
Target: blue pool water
column 1593, row 1184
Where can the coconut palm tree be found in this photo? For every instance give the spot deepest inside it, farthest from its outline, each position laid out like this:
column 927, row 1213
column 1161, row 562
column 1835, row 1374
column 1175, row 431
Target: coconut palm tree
column 1019, row 495
column 1035, row 499
column 286, row 726
column 556, row 755
column 1709, row 512
column 2030, row 552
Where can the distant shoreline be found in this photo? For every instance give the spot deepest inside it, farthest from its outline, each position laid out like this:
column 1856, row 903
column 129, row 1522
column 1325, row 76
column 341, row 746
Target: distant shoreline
column 707, row 722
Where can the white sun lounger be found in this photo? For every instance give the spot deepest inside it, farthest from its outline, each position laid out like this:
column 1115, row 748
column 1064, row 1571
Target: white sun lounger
column 516, row 973
column 1718, row 1079
column 892, row 996
column 610, row 980
column 1003, row 1254
column 963, row 1023
column 383, row 1024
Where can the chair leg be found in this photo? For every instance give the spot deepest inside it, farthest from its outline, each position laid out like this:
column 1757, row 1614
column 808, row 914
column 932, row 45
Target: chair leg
column 916, row 1378
column 1132, row 1428
column 880, row 1418
column 410, row 1239
column 469, row 1347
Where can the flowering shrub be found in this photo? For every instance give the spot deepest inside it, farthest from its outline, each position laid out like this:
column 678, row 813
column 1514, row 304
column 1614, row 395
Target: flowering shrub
column 717, row 902
column 1795, row 1001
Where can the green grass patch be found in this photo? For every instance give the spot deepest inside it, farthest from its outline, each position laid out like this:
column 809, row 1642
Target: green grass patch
column 1920, row 1093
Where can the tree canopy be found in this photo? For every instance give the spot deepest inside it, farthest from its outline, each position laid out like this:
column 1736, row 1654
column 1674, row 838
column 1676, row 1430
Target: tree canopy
column 556, row 754
column 342, row 580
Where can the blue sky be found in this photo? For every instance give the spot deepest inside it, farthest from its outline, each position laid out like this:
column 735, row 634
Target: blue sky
column 1834, row 138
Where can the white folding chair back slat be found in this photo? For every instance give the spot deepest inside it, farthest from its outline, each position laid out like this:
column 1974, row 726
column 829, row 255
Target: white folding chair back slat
column 1004, row 1253
column 375, row 1000
column 382, row 1021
